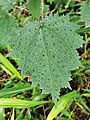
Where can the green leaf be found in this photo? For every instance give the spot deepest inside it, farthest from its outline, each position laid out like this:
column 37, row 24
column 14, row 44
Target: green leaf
column 85, row 12
column 8, row 28
column 17, row 103
column 50, row 1
column 61, row 104
column 34, row 8
column 7, row 4
column 48, row 53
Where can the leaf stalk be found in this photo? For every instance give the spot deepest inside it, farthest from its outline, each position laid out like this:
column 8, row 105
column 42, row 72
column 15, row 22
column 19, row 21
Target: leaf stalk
column 41, row 14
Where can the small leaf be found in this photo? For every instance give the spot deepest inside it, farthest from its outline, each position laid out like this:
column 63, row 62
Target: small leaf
column 85, row 12
column 34, row 8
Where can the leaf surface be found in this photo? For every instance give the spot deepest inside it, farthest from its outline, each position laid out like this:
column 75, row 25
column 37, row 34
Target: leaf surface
column 8, row 28
column 6, row 4
column 85, row 12
column 48, row 53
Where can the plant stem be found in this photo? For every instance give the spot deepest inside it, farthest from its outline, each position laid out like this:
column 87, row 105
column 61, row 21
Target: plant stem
column 41, row 15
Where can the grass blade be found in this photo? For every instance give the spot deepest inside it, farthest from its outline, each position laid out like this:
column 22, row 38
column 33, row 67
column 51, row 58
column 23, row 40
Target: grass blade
column 17, row 103
column 8, row 65
column 61, row 104
column 12, row 117
column 87, row 90
column 1, row 114
column 11, row 91
column 86, row 94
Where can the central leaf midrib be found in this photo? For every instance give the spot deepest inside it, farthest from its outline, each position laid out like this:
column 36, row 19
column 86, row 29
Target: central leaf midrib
column 47, row 56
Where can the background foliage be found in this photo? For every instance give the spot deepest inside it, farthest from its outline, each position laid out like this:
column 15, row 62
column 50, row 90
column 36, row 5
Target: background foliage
column 47, row 55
